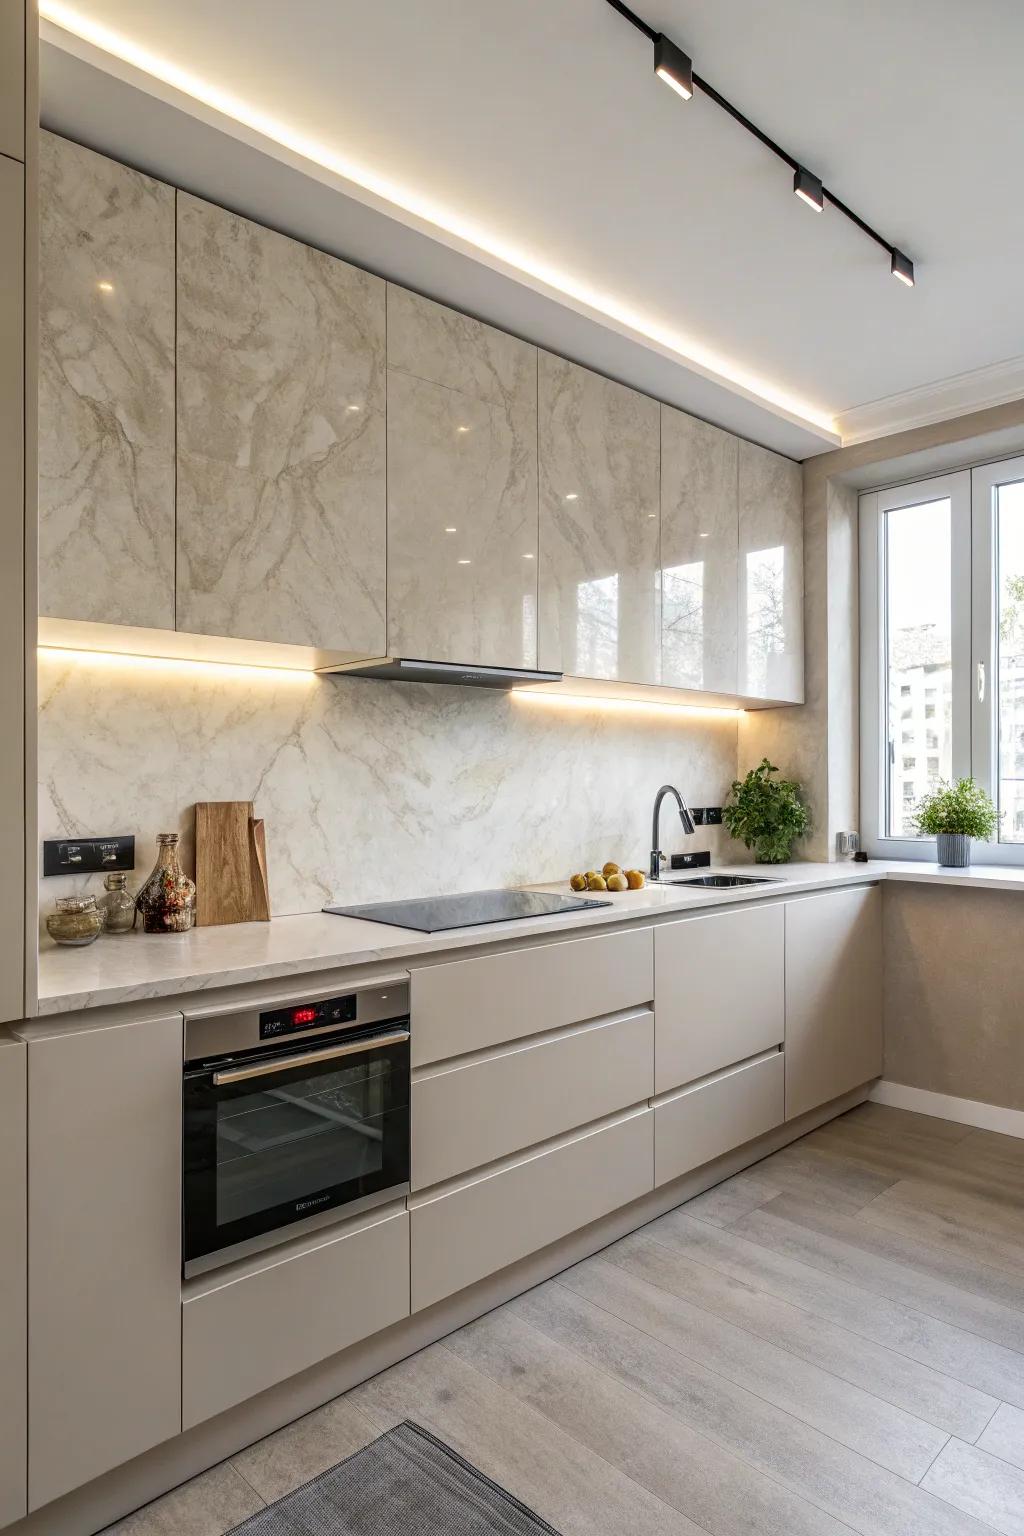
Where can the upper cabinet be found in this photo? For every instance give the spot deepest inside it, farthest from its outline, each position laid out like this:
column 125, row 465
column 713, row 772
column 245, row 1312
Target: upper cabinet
column 106, row 390
column 281, row 438
column 771, row 576
column 699, row 520
column 462, row 488
column 12, row 79
column 600, row 611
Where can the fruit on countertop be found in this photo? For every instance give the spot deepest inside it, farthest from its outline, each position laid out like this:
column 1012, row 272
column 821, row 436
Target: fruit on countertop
column 611, row 869
column 635, row 879
column 578, row 882
column 617, row 881
column 596, row 882
column 612, row 878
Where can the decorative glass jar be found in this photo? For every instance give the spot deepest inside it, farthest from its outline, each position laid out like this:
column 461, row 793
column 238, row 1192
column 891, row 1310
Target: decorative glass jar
column 77, row 920
column 117, row 906
column 167, row 901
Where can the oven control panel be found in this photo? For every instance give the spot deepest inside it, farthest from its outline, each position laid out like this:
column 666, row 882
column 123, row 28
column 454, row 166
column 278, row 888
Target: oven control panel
column 286, row 1021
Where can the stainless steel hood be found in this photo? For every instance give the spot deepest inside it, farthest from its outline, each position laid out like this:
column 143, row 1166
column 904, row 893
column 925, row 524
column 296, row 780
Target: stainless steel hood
column 404, row 669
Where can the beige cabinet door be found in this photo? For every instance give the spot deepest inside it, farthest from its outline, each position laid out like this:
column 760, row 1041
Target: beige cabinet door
column 699, row 523
column 771, row 576
column 833, row 995
column 106, row 390
column 13, row 1266
column 718, row 992
column 104, row 1248
column 600, row 611
column 462, row 488
column 281, row 458
column 12, row 78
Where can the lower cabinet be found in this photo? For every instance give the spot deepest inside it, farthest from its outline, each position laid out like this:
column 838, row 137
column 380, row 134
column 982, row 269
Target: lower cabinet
column 104, row 1209
column 833, row 995
column 266, row 1319
column 477, row 1228
column 703, row 1122
column 13, row 1264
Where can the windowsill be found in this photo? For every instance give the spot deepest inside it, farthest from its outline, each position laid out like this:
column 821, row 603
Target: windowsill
column 981, row 877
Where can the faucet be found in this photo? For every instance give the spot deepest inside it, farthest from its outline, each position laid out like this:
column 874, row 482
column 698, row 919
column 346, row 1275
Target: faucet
column 657, row 857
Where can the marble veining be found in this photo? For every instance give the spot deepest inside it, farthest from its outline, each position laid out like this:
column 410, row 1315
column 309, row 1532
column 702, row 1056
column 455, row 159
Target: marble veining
column 281, row 438
column 599, row 593
column 771, row 575
column 106, row 390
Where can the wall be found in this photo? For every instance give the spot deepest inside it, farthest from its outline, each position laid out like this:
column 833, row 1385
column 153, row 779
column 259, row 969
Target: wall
column 954, row 978
column 369, row 789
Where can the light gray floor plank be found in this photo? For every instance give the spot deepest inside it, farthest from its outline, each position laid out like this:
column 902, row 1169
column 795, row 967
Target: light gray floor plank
column 570, row 1486
column 994, row 1143
column 801, row 1170
column 887, row 1435
column 984, row 1487
column 735, row 1197
column 895, row 1122
column 956, row 1230
column 932, row 1165
column 208, row 1505
column 848, row 1486
column 685, row 1469
column 938, row 1399
column 1004, row 1436
column 300, row 1451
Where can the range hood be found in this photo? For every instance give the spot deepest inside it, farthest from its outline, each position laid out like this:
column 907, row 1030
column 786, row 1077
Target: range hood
column 403, row 669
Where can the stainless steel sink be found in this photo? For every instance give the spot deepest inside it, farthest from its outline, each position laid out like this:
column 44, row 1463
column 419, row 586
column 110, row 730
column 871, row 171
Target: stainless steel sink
column 717, row 882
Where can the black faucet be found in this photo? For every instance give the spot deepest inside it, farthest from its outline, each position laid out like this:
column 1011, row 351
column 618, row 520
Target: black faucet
column 657, row 857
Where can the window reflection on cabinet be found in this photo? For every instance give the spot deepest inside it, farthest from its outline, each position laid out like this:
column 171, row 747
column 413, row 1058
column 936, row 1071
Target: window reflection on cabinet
column 771, row 575
column 599, row 589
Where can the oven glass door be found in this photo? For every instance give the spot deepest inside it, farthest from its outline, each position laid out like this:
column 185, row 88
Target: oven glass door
column 273, row 1138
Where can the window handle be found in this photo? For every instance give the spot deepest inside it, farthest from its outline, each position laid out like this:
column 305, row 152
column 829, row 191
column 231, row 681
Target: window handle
column 981, row 682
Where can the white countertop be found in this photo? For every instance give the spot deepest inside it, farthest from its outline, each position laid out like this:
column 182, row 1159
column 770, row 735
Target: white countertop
column 136, row 967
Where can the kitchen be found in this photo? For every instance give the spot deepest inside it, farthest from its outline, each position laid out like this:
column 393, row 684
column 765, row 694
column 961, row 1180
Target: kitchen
column 376, row 1029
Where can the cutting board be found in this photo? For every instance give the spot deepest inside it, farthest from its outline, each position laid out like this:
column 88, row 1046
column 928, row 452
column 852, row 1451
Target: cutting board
column 231, row 864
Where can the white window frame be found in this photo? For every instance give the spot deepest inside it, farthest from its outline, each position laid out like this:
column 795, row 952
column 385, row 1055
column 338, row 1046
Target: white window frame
column 972, row 497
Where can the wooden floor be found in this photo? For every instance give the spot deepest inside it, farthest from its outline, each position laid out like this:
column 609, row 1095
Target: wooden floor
column 832, row 1341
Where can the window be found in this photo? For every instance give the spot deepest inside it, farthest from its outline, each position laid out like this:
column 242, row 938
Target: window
column 942, row 652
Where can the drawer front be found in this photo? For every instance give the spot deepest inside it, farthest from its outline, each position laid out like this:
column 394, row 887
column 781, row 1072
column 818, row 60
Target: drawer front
column 244, row 1334
column 468, row 1115
column 469, row 1005
column 480, row 1228
column 700, row 1124
column 718, row 992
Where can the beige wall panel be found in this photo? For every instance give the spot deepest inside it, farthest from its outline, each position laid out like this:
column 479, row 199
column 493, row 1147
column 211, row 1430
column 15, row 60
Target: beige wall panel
column 257, row 1324
column 13, row 1274
column 12, row 579
column 480, row 1227
column 833, row 995
column 104, row 1249
column 702, row 1123
column 12, row 78
column 106, row 390
column 718, row 992
column 473, row 1114
column 469, row 1005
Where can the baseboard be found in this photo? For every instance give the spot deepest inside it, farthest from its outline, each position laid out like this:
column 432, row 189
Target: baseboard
column 987, row 1117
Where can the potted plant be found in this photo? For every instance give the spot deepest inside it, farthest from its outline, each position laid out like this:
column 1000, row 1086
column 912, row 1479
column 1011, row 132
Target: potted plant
column 953, row 814
column 766, row 814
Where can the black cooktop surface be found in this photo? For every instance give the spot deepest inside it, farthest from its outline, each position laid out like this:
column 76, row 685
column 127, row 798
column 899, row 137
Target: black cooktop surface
column 432, row 914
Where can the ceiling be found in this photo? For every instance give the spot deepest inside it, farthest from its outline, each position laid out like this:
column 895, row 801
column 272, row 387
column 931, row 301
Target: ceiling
column 530, row 138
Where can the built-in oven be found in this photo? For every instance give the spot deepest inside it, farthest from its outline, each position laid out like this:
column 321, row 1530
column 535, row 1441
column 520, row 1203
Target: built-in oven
column 292, row 1116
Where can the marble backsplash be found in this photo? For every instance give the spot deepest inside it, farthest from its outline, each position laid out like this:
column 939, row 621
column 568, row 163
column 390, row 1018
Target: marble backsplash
column 368, row 789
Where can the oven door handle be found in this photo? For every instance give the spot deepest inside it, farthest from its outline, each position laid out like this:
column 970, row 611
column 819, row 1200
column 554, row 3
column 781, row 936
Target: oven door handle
column 285, row 1063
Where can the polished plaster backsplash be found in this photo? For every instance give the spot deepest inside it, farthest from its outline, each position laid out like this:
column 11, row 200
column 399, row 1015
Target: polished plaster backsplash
column 368, row 789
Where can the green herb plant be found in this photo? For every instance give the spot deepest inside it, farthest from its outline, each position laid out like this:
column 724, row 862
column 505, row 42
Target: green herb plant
column 963, row 807
column 766, row 814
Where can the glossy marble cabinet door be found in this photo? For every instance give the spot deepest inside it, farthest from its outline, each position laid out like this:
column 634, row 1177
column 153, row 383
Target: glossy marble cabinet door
column 771, row 576
column 462, row 488
column 106, row 390
column 600, row 612
column 699, row 520
column 281, row 490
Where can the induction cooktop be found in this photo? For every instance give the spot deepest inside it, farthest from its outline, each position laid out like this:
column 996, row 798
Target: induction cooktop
column 432, row 914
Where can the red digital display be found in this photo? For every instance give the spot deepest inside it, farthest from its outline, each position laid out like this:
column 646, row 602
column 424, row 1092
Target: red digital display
column 303, row 1015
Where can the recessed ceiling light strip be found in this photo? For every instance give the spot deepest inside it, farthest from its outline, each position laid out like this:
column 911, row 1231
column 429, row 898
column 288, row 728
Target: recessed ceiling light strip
column 674, row 67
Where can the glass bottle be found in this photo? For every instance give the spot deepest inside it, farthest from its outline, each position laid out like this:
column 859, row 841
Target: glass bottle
column 117, row 906
column 167, row 901
column 76, row 920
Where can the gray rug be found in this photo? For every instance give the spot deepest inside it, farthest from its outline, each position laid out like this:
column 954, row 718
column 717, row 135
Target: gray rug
column 407, row 1483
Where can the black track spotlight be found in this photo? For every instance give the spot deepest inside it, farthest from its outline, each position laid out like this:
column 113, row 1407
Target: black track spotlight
column 809, row 189
column 903, row 268
column 673, row 66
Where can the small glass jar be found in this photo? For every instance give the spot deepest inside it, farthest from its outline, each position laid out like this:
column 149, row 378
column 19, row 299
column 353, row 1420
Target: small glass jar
column 76, row 921
column 117, row 906
column 167, row 901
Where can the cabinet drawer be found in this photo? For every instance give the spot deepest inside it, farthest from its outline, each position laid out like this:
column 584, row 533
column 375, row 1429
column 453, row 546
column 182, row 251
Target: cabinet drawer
column 471, row 1004
column 718, row 992
column 467, row 1115
column 481, row 1227
column 246, row 1332
column 701, row 1123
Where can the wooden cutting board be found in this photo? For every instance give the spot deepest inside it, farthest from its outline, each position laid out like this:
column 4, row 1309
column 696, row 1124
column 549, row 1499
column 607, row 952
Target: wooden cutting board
column 231, row 864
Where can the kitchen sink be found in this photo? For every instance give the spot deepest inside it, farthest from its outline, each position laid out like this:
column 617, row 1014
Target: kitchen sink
column 718, row 881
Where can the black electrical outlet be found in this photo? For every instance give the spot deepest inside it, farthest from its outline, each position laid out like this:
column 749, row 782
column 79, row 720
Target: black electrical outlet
column 712, row 815
column 689, row 860
column 697, row 812
column 88, row 855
